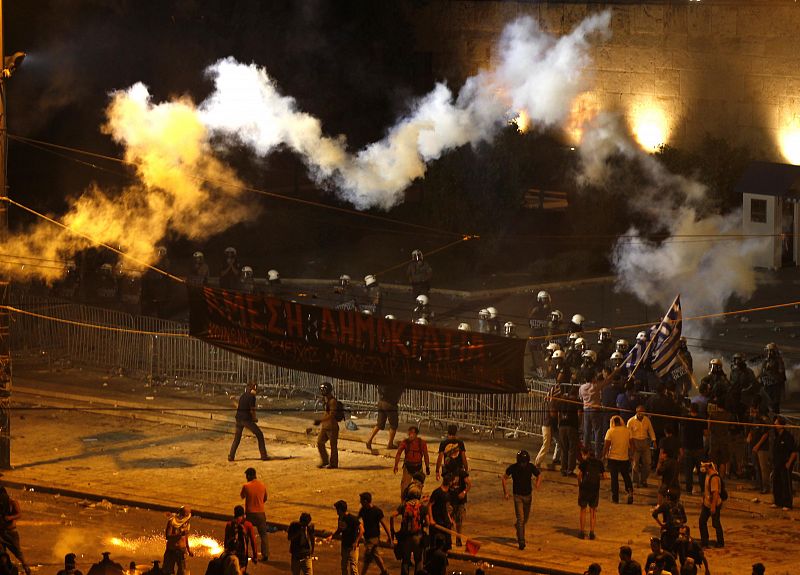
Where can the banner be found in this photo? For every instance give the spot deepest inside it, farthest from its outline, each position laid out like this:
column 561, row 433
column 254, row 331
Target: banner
column 350, row 345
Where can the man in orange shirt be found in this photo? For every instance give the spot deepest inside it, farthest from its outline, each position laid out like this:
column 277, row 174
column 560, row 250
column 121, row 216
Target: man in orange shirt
column 254, row 493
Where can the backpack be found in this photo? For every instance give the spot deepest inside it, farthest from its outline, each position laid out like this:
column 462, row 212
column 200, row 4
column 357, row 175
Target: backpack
column 412, row 517
column 339, row 414
column 723, row 492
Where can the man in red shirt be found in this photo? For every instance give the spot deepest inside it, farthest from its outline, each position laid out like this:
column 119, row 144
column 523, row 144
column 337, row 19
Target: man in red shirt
column 254, row 493
column 240, row 536
column 416, row 450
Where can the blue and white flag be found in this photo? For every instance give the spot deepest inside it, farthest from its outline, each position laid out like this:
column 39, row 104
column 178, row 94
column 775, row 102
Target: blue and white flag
column 667, row 342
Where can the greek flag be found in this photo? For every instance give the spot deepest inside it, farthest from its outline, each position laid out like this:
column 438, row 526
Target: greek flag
column 664, row 351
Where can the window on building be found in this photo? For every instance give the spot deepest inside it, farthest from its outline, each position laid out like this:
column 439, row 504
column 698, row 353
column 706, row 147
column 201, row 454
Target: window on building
column 758, row 211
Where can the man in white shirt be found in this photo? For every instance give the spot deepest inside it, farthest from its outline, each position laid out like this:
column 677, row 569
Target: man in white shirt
column 642, row 434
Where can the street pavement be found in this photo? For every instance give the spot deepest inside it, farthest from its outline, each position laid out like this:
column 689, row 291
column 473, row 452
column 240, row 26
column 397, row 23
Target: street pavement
column 171, row 450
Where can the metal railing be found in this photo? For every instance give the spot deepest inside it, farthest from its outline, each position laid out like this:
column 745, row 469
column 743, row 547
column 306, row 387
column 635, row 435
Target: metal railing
column 162, row 358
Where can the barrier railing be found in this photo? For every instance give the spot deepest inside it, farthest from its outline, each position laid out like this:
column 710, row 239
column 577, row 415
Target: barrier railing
column 158, row 350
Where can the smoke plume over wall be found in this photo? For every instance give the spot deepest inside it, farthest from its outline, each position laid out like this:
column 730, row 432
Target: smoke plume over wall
column 179, row 190
column 693, row 261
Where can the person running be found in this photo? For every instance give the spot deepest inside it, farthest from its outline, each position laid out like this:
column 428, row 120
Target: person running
column 254, row 493
column 521, row 474
column 351, row 532
column 9, row 536
column 618, row 451
column 439, row 512
column 372, row 520
column 590, row 472
column 416, row 453
column 712, row 504
column 246, row 419
column 301, row 545
column 388, row 411
column 784, row 455
column 243, row 535
column 627, row 565
column 177, row 535
column 447, row 458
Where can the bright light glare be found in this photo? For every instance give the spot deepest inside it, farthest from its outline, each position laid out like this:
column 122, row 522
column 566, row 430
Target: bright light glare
column 650, row 127
column 522, row 121
column 790, row 143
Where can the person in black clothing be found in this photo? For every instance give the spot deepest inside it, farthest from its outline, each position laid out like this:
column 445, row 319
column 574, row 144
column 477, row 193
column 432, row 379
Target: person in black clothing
column 690, row 552
column 672, row 519
column 758, row 440
column 439, row 513
column 627, row 566
column 388, row 410
column 759, row 569
column 246, row 418
column 351, row 531
column 301, row 545
column 436, row 557
column 784, row 455
column 70, row 567
column 670, row 443
column 590, row 472
column 460, row 485
column 568, row 423
column 452, row 453
column 659, row 560
column 231, row 271
column 692, row 451
column 521, row 473
column 670, row 477
column 660, row 404
column 372, row 520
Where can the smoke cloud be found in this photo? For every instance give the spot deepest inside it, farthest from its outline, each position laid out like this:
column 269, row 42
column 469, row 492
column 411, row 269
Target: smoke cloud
column 707, row 271
column 183, row 188
column 536, row 73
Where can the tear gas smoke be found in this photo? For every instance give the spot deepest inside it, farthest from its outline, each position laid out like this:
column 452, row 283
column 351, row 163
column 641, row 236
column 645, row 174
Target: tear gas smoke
column 706, row 273
column 170, row 144
column 181, row 187
column 536, row 74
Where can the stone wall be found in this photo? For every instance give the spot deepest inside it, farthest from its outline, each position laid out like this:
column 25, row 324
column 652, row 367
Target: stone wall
column 731, row 69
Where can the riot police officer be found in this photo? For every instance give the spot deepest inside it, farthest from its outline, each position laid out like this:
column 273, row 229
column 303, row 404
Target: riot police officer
column 247, row 281
column 717, row 382
column 604, row 346
column 374, row 296
column 483, row 321
column 576, row 324
column 555, row 328
column 422, row 309
column 773, row 376
column 494, row 321
column 419, row 274
column 539, row 315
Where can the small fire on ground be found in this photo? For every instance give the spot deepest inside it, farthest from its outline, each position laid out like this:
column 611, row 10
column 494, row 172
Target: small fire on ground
column 201, row 545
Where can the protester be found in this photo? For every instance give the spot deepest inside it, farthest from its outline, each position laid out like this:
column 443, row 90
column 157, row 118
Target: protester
column 671, row 517
column 719, row 436
column 459, row 487
column 243, row 535
column 199, row 272
column 439, row 519
column 254, row 493
column 692, row 451
column 416, row 453
column 301, row 545
column 667, row 469
column 6, row 566
column 659, row 559
column 618, row 451
column 154, row 570
column 568, row 422
column 70, row 566
column 689, row 551
column 627, row 566
column 351, row 532
column 452, row 453
column 642, row 434
column 329, row 427
column 590, row 472
column 435, row 561
column 372, row 520
column 9, row 536
column 594, row 569
column 521, row 473
column 712, row 505
column 177, row 536
column 590, row 394
column 784, row 455
column 108, row 567
column 246, row 419
column 388, row 410
column 549, row 421
column 410, row 534
column 759, row 569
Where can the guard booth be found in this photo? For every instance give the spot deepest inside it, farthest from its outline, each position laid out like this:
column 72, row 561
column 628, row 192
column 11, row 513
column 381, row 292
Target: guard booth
column 771, row 207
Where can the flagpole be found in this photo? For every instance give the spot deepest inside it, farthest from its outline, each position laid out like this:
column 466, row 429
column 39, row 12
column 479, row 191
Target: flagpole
column 652, row 339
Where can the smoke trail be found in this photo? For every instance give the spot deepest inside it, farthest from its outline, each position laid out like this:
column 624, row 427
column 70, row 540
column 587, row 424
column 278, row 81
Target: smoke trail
column 706, row 273
column 536, row 72
column 181, row 187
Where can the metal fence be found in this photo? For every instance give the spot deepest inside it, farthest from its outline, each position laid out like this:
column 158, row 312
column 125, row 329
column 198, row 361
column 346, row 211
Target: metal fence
column 149, row 348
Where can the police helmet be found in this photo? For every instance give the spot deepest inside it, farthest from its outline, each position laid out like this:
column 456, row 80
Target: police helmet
column 558, row 354
column 247, row 272
column 641, row 336
column 416, row 255
column 483, row 314
column 552, row 346
column 492, row 312
column 622, row 345
column 389, row 316
column 579, row 343
column 421, row 321
column 197, row 255
column 572, row 337
column 370, row 280
column 229, row 251
column 161, row 251
column 422, row 299
column 543, row 296
column 617, row 356
column 556, row 315
column 604, row 334
column 344, row 280
column 508, row 328
column 589, row 354
column 463, row 326
column 578, row 319
column 273, row 275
